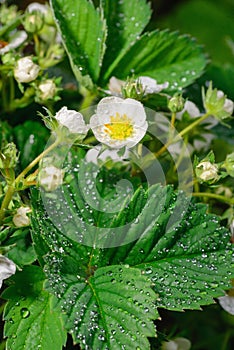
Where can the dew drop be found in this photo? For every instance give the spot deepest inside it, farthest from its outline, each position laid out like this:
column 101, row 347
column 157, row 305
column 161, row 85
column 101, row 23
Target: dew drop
column 24, row 312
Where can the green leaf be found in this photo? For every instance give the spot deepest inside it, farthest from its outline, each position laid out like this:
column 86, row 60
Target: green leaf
column 112, row 308
column 30, row 323
column 83, row 32
column 31, row 138
column 125, row 23
column 170, row 240
column 189, row 262
column 164, row 56
column 22, row 251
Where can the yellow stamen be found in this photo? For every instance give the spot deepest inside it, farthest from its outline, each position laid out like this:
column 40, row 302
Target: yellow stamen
column 120, row 127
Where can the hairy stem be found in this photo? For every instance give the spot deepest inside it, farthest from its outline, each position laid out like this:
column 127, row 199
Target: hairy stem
column 219, row 197
column 182, row 133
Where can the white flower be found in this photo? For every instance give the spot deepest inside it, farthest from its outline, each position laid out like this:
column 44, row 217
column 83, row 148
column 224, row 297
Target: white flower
column 189, row 107
column 118, row 123
column 47, row 89
column 228, row 104
column 20, row 218
column 26, row 70
column 150, row 85
column 7, row 268
column 177, row 344
column 72, row 120
column 15, row 41
column 227, row 303
column 207, row 171
column 50, row 178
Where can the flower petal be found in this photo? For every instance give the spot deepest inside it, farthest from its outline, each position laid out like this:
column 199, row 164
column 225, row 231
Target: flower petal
column 7, row 268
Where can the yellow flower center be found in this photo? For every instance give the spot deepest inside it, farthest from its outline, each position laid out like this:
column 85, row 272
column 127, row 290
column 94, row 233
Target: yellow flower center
column 120, row 127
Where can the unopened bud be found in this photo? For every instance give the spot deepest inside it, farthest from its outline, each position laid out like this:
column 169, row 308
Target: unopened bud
column 47, row 90
column 176, row 104
column 20, row 219
column 33, row 22
column 26, row 70
column 8, row 156
column 206, row 171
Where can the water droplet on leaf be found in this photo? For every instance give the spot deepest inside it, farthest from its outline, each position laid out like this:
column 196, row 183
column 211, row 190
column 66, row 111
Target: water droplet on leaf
column 24, row 312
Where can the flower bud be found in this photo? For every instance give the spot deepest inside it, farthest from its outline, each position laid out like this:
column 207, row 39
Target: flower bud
column 26, row 70
column 176, row 104
column 47, row 90
column 7, row 268
column 33, row 22
column 50, row 178
column 206, row 171
column 20, row 219
column 8, row 156
column 44, row 9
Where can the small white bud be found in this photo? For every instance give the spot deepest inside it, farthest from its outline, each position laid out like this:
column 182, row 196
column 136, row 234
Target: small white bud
column 207, row 171
column 20, row 219
column 26, row 70
column 7, row 268
column 47, row 90
column 50, row 178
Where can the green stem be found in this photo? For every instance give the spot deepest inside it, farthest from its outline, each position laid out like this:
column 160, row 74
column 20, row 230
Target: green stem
column 214, row 196
column 37, row 44
column 6, row 201
column 35, row 161
column 173, row 118
column 182, row 133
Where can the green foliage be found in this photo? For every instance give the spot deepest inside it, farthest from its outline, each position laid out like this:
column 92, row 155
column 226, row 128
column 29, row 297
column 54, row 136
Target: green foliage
column 164, row 56
column 186, row 261
column 83, row 31
column 194, row 15
column 30, row 323
column 161, row 55
column 125, row 23
column 30, row 138
column 21, row 251
column 110, row 309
